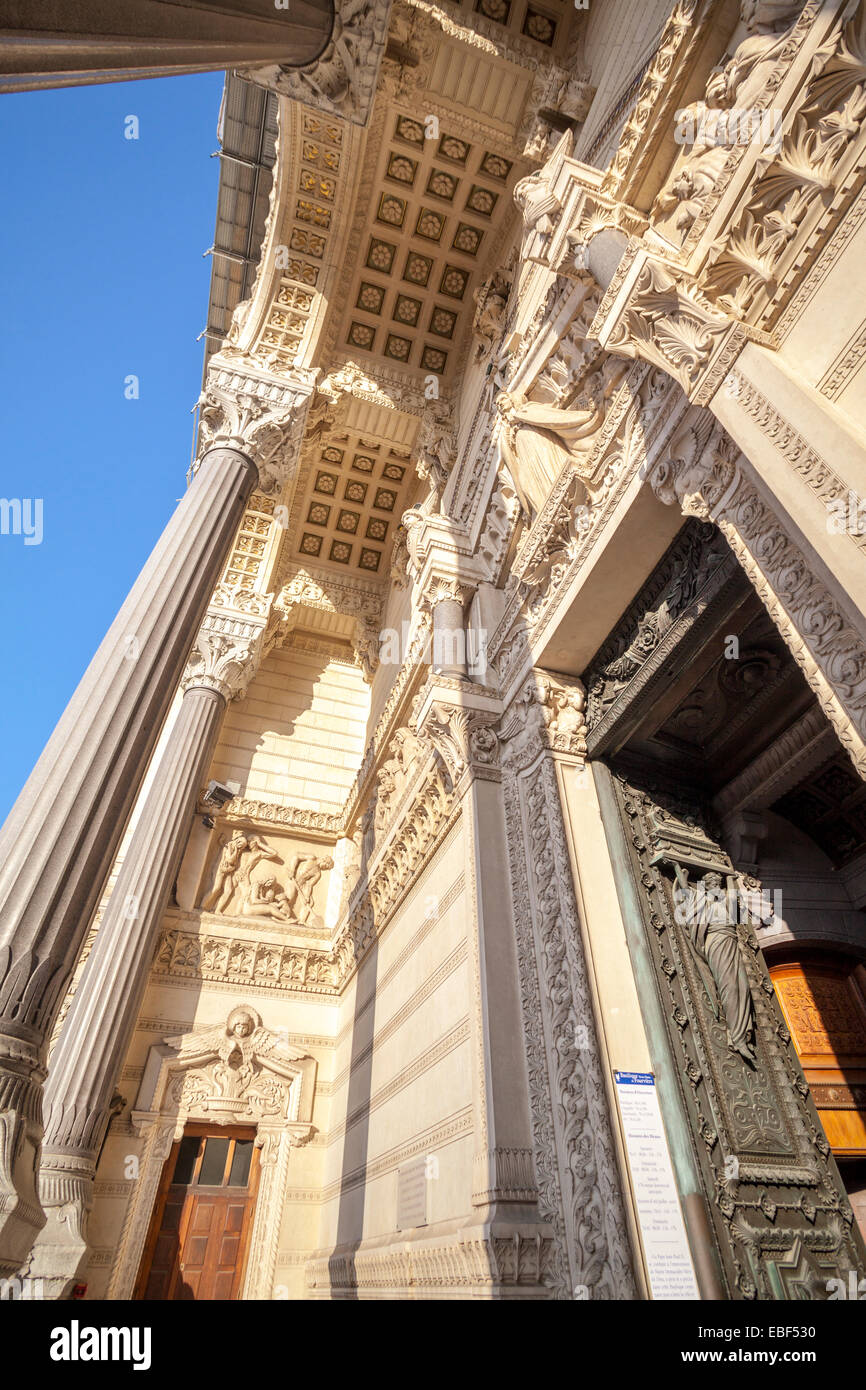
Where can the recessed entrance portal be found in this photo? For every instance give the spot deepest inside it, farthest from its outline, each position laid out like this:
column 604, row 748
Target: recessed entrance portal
column 738, row 818
column 199, row 1234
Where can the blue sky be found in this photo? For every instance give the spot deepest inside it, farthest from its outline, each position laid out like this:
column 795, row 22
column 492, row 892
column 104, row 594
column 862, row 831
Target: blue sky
column 102, row 277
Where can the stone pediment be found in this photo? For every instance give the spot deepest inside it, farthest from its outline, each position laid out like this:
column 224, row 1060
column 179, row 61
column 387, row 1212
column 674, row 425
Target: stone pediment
column 237, row 1073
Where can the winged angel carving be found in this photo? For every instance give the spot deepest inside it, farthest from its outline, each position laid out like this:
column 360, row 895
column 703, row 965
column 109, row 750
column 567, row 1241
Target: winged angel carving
column 223, row 1067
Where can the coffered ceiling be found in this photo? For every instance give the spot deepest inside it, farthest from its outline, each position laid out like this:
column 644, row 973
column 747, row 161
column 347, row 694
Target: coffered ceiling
column 352, row 502
column 436, row 205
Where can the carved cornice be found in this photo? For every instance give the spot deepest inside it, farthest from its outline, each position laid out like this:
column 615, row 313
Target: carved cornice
column 289, row 817
column 411, row 674
column 674, row 48
column 568, row 527
column 432, row 809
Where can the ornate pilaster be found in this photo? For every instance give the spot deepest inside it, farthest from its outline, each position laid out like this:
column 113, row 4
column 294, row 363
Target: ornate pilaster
column 461, row 722
column 62, row 836
column 580, row 1192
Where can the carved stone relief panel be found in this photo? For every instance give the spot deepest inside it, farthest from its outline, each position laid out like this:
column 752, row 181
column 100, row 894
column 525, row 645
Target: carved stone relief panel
column 269, row 878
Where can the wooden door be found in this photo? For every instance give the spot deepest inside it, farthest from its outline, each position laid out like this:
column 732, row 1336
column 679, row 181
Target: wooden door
column 198, row 1239
column 824, row 1004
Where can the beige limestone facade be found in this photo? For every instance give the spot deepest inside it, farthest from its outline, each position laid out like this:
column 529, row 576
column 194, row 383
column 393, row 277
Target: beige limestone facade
column 514, row 910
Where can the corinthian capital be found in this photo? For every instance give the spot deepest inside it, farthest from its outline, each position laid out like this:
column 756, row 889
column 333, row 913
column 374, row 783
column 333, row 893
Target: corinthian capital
column 461, row 722
column 262, row 417
column 228, row 648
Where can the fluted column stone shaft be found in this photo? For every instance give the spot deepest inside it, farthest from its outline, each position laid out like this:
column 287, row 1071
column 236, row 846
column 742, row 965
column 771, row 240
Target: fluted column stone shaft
column 61, row 837
column 87, row 1058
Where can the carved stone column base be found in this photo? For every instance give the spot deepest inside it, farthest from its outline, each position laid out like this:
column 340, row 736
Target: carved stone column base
column 21, row 1217
column 57, row 1260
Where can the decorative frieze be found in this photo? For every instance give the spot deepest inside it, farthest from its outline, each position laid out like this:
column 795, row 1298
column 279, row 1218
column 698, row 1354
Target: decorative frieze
column 237, row 960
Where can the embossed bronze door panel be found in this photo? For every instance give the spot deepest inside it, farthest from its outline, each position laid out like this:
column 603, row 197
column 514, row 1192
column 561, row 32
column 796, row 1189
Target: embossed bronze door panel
column 780, row 1217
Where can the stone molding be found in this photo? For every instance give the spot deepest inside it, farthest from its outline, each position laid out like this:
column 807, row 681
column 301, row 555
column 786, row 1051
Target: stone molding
column 237, row 960
column 467, row 1265
column 711, row 483
column 219, row 1077
column 818, row 475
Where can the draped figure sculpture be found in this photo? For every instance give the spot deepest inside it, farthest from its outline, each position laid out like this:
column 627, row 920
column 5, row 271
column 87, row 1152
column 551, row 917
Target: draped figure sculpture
column 537, row 440
column 705, row 910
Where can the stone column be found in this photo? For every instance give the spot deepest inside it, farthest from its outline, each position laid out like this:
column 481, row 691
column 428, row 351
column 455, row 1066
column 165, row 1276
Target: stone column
column 62, row 836
column 449, row 638
column 66, row 43
column 89, row 1053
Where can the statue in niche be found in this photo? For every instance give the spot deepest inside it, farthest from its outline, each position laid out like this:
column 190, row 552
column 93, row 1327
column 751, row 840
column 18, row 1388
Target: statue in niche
column 239, row 857
column 537, row 442
column 435, row 454
column 491, row 302
column 705, row 911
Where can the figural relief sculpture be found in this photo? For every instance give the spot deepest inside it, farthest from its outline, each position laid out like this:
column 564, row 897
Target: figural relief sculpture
column 734, row 87
column 707, row 911
column 538, row 440
column 234, row 890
